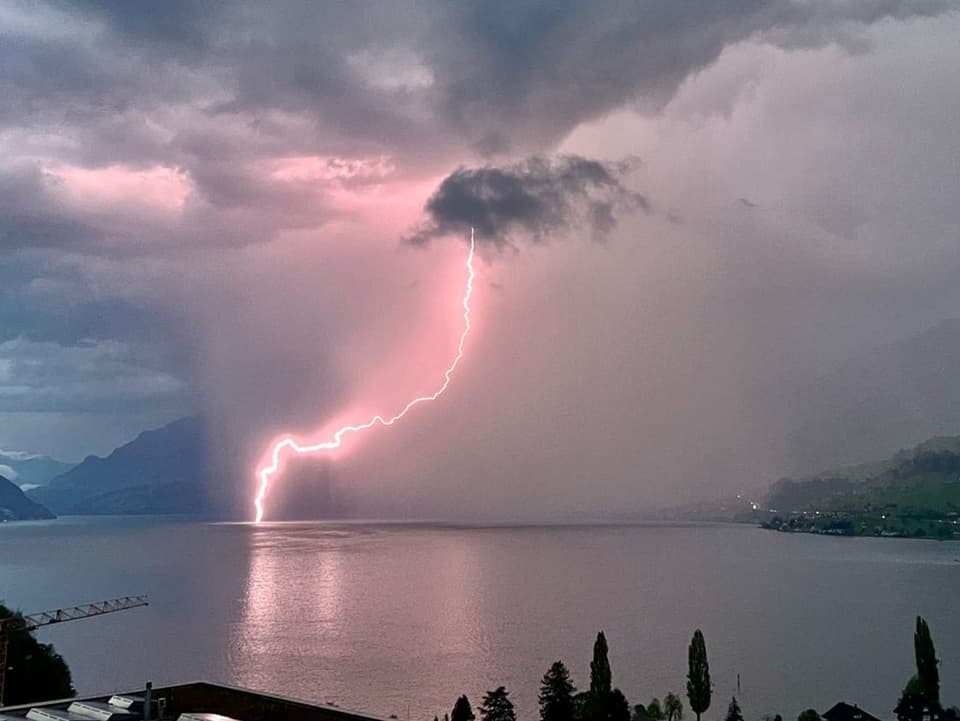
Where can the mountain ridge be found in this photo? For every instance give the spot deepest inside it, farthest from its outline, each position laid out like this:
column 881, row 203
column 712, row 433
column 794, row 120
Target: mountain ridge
column 161, row 468
column 16, row 506
column 31, row 469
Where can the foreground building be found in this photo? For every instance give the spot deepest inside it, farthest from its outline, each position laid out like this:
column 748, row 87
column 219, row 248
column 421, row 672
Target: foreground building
column 845, row 712
column 199, row 701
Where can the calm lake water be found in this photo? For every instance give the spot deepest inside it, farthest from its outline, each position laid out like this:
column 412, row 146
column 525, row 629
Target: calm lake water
column 400, row 619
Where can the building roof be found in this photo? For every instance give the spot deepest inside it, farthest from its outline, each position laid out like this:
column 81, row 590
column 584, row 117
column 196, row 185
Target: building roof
column 195, row 701
column 845, row 712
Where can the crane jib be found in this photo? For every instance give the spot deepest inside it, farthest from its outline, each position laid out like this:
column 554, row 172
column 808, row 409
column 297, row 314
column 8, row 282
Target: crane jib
column 45, row 618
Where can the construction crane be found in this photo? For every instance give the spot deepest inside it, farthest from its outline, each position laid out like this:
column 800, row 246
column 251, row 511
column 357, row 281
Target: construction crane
column 45, row 618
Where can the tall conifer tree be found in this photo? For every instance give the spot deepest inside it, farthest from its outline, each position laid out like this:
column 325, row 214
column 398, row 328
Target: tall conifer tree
column 698, row 675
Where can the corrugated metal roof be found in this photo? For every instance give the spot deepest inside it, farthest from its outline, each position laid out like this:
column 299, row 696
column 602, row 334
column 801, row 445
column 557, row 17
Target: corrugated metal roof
column 134, row 703
column 99, row 711
column 54, row 714
column 191, row 716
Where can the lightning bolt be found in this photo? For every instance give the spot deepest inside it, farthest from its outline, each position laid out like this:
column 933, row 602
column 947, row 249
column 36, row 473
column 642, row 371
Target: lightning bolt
column 287, row 443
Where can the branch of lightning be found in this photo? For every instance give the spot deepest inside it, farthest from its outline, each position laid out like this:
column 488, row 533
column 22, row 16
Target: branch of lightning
column 286, row 444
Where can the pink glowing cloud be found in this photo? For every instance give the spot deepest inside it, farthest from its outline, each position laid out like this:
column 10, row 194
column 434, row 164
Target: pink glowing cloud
column 159, row 187
column 311, row 168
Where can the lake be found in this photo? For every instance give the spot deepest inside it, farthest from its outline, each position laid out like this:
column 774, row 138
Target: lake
column 402, row 618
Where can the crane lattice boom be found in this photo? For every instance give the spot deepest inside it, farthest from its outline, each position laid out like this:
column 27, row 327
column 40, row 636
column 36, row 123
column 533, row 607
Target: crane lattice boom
column 45, row 618
column 86, row 611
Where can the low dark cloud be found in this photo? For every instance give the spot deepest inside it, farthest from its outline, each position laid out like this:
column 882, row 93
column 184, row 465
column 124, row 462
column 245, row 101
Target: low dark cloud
column 528, row 72
column 535, row 198
column 89, row 376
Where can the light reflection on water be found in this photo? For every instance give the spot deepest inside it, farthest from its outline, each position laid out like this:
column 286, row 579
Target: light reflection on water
column 389, row 617
column 288, row 619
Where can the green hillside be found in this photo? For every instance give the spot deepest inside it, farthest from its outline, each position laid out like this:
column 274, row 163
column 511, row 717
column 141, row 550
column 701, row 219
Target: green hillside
column 914, row 493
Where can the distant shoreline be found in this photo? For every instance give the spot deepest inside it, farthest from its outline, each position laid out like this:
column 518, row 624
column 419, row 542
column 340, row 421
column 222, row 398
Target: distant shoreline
column 843, row 533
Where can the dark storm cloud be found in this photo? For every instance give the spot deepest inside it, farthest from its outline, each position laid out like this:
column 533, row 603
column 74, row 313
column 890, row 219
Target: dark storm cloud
column 182, row 24
column 536, row 197
column 218, row 90
column 491, row 77
column 525, row 73
column 88, row 376
column 218, row 93
column 28, row 218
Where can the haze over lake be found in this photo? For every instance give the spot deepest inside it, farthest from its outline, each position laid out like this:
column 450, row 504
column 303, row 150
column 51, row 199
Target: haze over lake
column 400, row 619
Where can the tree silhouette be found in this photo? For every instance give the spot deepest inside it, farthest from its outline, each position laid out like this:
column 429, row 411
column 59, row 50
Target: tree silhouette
column 601, row 702
column 35, row 672
column 911, row 704
column 653, row 709
column 497, row 706
column 733, row 711
column 617, row 708
column 556, row 694
column 927, row 672
column 698, row 675
column 601, row 678
column 462, row 710
column 673, row 707
column 921, row 696
column 809, row 715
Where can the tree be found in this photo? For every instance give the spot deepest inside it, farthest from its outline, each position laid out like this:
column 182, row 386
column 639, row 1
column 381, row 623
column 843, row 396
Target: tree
column 921, row 696
column 672, row 707
column 497, row 706
column 617, row 706
column 927, row 672
column 733, row 711
column 601, row 702
column 653, row 709
column 556, row 694
column 911, row 704
column 462, row 710
column 913, row 687
column 606, row 707
column 35, row 671
column 601, row 677
column 583, row 706
column 698, row 676
column 809, row 715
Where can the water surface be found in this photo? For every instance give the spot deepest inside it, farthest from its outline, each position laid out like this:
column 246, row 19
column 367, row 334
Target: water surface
column 400, row 619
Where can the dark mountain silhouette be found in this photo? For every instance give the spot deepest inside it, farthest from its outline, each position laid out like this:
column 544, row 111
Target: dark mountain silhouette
column 160, row 471
column 15, row 506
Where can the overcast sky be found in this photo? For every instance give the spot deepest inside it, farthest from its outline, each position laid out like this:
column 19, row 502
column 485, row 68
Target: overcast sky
column 260, row 212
